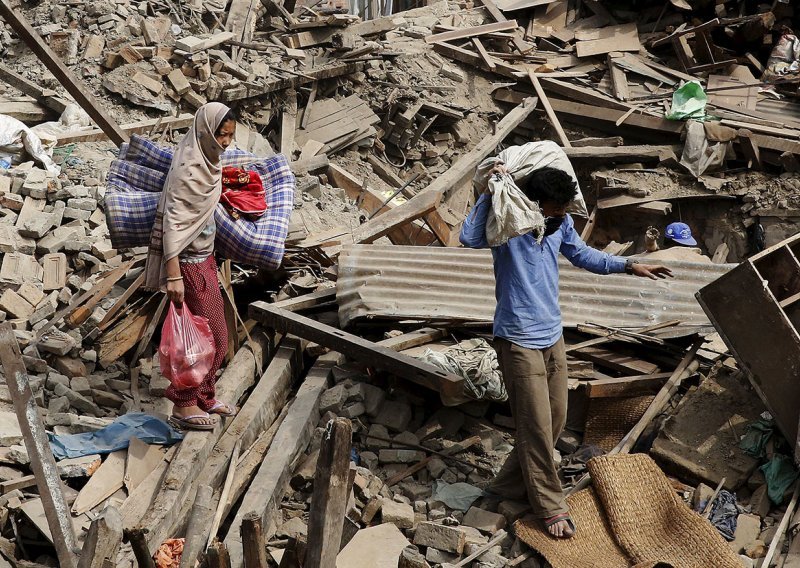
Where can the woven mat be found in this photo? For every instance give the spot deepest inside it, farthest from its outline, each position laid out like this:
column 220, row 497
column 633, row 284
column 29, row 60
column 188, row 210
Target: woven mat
column 631, row 518
column 609, row 419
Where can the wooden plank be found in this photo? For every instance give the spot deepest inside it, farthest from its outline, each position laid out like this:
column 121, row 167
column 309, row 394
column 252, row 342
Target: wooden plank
column 460, row 171
column 201, row 512
column 623, row 200
column 618, row 80
column 269, row 483
column 47, row 97
column 21, row 483
column 309, row 300
column 255, row 551
column 142, row 458
column 750, row 149
column 616, row 361
column 685, row 369
column 606, row 40
column 621, row 153
column 413, row 338
column 329, row 499
column 56, row 66
column 140, row 499
column 498, row 16
column 140, row 127
column 372, row 201
column 581, row 94
column 549, row 110
column 465, row 33
column 637, row 385
column 37, row 445
column 608, row 117
column 289, row 125
column 471, row 58
column 448, row 384
column 487, row 59
column 181, row 478
column 103, row 287
column 280, row 84
column 102, row 484
column 102, row 540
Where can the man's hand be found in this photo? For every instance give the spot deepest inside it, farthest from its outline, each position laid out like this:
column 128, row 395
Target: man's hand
column 175, row 291
column 651, row 271
column 499, row 168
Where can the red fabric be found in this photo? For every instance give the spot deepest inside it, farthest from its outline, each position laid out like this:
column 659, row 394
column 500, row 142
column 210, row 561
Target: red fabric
column 243, row 192
column 204, row 298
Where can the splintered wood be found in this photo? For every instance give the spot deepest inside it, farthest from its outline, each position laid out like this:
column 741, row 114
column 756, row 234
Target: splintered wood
column 333, row 123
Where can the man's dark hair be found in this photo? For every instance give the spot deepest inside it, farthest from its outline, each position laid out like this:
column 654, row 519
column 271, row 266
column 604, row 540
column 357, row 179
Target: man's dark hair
column 230, row 115
column 550, row 184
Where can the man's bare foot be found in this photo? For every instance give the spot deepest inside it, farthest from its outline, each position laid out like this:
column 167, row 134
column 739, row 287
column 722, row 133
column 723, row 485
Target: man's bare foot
column 560, row 526
column 560, row 530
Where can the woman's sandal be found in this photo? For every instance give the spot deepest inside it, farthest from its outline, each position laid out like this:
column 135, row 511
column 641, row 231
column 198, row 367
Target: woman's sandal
column 190, row 422
column 222, row 408
column 555, row 519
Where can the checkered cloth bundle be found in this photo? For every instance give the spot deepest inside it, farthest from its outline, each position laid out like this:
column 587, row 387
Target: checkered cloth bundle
column 136, row 179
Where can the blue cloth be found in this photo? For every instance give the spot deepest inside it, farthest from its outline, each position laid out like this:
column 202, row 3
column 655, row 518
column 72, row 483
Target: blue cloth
column 135, row 181
column 526, row 277
column 115, row 436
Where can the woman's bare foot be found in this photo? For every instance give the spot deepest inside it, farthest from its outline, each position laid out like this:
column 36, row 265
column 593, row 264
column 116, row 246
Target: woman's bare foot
column 193, row 416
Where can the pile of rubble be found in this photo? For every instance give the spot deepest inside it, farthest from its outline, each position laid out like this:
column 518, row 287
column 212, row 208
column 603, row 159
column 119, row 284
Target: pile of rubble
column 667, row 113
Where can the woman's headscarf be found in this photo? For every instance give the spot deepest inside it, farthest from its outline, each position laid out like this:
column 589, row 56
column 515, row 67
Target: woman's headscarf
column 191, row 193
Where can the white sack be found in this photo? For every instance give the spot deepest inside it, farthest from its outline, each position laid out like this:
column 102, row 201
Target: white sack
column 14, row 135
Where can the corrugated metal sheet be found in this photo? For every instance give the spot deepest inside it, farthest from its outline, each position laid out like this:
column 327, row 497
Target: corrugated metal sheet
column 457, row 284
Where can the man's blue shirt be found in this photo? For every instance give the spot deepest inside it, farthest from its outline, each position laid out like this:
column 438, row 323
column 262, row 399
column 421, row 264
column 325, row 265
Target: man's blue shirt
column 526, row 277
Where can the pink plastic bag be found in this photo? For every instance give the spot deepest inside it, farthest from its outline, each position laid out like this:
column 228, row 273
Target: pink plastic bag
column 187, row 348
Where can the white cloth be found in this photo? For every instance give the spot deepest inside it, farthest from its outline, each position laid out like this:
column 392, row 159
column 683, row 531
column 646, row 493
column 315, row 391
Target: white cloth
column 512, row 213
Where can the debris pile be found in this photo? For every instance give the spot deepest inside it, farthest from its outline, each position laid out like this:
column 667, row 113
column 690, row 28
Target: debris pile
column 371, row 413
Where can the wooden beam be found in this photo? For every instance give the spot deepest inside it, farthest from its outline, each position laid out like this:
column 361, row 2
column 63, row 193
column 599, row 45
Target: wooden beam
column 608, row 118
column 460, row 171
column 750, row 150
column 70, row 82
column 140, row 127
column 266, row 490
column 413, row 338
column 289, row 125
column 498, row 16
column 581, row 94
column 617, row 361
column 621, row 153
column 255, row 551
column 474, row 31
column 102, row 540
column 306, row 301
column 470, row 58
column 637, row 385
column 194, row 541
column 182, row 475
column 562, row 136
column 487, row 59
column 37, row 445
column 329, row 499
column 308, row 76
column 448, row 384
column 46, row 97
column 685, row 369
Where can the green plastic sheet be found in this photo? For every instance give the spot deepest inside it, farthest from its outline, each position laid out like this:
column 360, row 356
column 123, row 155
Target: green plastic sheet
column 688, row 102
column 781, row 474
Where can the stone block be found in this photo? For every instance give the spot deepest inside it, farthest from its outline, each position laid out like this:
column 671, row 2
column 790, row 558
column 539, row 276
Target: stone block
column 333, row 399
column 373, row 398
column 77, row 401
column 400, row 515
column 31, row 293
column 19, row 268
column 484, row 521
column 81, row 386
column 440, row 537
column 748, row 529
column 411, row 557
column 58, row 404
column 70, row 367
column 376, row 444
column 83, row 466
column 15, row 305
column 354, row 410
column 400, row 456
column 46, row 308
column 10, row 434
column 436, row 556
column 395, row 415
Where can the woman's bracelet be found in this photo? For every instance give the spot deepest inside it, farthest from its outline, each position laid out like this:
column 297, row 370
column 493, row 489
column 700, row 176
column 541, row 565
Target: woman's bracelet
column 174, row 278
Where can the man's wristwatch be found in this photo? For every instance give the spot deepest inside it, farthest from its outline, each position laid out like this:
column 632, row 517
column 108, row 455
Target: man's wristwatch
column 629, row 265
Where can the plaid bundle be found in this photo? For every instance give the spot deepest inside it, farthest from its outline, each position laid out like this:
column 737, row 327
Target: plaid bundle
column 135, row 182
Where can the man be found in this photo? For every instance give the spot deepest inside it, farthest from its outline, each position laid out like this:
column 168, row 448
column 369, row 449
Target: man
column 528, row 337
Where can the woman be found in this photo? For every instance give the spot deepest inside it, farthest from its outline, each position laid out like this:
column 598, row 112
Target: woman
column 181, row 255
